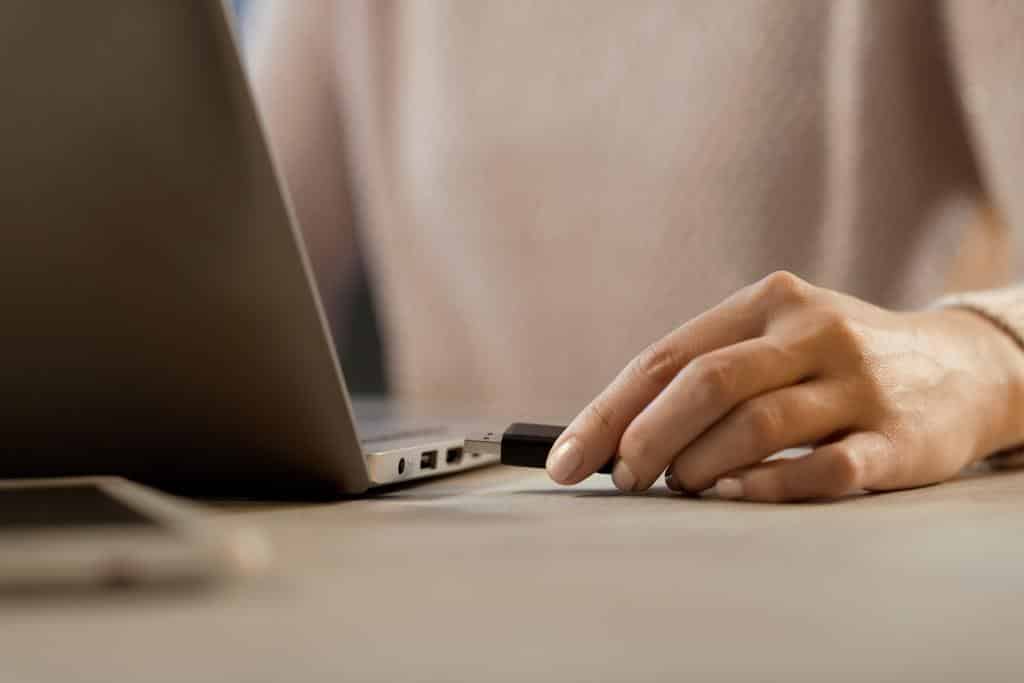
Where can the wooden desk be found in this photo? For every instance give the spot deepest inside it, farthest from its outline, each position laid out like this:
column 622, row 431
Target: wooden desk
column 501, row 576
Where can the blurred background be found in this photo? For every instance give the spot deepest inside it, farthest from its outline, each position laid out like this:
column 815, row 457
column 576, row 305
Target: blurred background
column 358, row 336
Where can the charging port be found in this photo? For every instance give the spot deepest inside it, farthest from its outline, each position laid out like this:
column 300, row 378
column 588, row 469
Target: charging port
column 453, row 456
column 428, row 460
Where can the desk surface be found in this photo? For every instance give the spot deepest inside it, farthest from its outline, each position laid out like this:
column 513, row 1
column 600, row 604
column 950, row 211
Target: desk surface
column 499, row 575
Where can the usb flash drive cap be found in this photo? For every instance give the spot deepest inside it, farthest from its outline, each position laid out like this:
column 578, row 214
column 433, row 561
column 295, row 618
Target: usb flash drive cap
column 522, row 445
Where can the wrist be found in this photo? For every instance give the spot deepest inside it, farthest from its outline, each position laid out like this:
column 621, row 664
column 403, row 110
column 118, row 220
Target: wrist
column 995, row 358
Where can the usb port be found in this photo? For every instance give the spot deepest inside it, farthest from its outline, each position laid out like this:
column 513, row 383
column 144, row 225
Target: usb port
column 428, row 460
column 453, row 456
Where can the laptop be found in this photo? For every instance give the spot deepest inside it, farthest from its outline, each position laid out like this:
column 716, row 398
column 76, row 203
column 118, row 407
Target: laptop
column 160, row 319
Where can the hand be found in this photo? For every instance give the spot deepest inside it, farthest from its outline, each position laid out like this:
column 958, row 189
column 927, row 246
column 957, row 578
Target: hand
column 887, row 400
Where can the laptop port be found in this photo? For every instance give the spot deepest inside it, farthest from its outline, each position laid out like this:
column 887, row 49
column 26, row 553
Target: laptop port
column 428, row 460
column 453, row 456
column 401, row 466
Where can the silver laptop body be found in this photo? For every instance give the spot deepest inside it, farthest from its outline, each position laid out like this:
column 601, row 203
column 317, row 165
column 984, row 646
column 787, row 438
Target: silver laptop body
column 159, row 318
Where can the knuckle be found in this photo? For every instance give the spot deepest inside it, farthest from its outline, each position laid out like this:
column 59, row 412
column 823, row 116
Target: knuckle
column 658, row 363
column 843, row 339
column 844, row 471
column 775, row 352
column 839, row 330
column 600, row 414
column 782, row 289
column 763, row 421
column 716, row 378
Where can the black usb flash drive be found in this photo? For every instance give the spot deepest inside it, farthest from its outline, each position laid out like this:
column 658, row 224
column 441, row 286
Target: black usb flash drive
column 522, row 445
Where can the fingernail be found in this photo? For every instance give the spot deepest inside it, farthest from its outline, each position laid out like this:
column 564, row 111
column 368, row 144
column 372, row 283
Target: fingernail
column 729, row 488
column 622, row 476
column 564, row 460
column 670, row 481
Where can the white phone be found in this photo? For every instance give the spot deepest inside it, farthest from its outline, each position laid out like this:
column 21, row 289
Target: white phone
column 107, row 530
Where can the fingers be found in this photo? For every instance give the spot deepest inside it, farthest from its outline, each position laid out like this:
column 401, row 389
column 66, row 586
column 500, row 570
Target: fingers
column 593, row 436
column 703, row 393
column 831, row 471
column 794, row 416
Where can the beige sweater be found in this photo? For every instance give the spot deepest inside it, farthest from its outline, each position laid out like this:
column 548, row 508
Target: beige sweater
column 544, row 188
